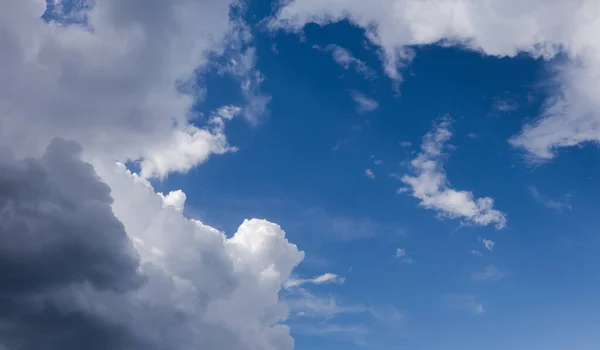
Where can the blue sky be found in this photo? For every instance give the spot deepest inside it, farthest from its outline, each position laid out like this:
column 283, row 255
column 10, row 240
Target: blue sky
column 391, row 174
column 303, row 166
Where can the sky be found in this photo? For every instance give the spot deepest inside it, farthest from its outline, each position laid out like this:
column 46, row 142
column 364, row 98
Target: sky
column 300, row 174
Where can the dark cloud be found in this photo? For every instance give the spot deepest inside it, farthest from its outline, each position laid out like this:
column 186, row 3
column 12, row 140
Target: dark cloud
column 58, row 233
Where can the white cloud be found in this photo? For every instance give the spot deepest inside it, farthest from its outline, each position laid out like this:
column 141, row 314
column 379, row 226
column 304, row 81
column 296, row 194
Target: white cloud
column 364, row 104
column 345, row 59
column 430, row 185
column 488, row 244
column 334, row 317
column 554, row 204
column 405, row 144
column 369, row 173
column 230, row 283
column 376, row 161
column 501, row 28
column 323, row 279
column 402, row 255
column 176, row 199
column 490, row 273
column 242, row 66
column 305, row 304
column 187, row 148
column 121, row 96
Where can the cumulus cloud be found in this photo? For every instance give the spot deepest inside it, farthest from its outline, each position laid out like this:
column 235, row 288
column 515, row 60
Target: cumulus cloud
column 430, row 185
column 105, row 84
column 91, row 256
column 189, row 147
column 323, row 279
column 539, row 28
column 176, row 199
column 369, row 173
column 71, row 277
column 364, row 103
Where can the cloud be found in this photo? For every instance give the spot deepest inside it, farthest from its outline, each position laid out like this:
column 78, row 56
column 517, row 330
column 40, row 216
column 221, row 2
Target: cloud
column 189, row 147
column 330, row 316
column 345, row 59
column 375, row 160
column 430, row 185
column 558, row 205
column 488, row 244
column 305, row 304
column 541, row 29
column 323, row 279
column 369, row 173
column 364, row 104
column 504, row 105
column 121, row 96
column 176, row 199
column 73, row 274
column 403, row 256
column 91, row 256
column 490, row 273
column 405, row 144
column 241, row 64
column 470, row 304
column 475, row 252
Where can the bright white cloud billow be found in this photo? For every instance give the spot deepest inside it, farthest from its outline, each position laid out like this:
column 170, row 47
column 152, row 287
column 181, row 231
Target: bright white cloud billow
column 111, row 85
column 540, row 28
column 429, row 184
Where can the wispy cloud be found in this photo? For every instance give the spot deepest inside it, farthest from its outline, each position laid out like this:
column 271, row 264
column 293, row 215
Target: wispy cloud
column 323, row 279
column 344, row 58
column 302, row 303
column 554, row 204
column 403, row 256
column 355, row 333
column 330, row 316
column 369, row 173
column 475, row 252
column 430, row 184
column 470, row 304
column 364, row 103
column 346, row 228
column 504, row 105
column 375, row 160
column 488, row 243
column 490, row 273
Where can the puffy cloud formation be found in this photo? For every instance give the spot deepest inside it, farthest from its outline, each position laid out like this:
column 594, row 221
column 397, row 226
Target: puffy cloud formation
column 91, row 256
column 430, row 184
column 121, row 84
column 71, row 277
column 540, row 28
